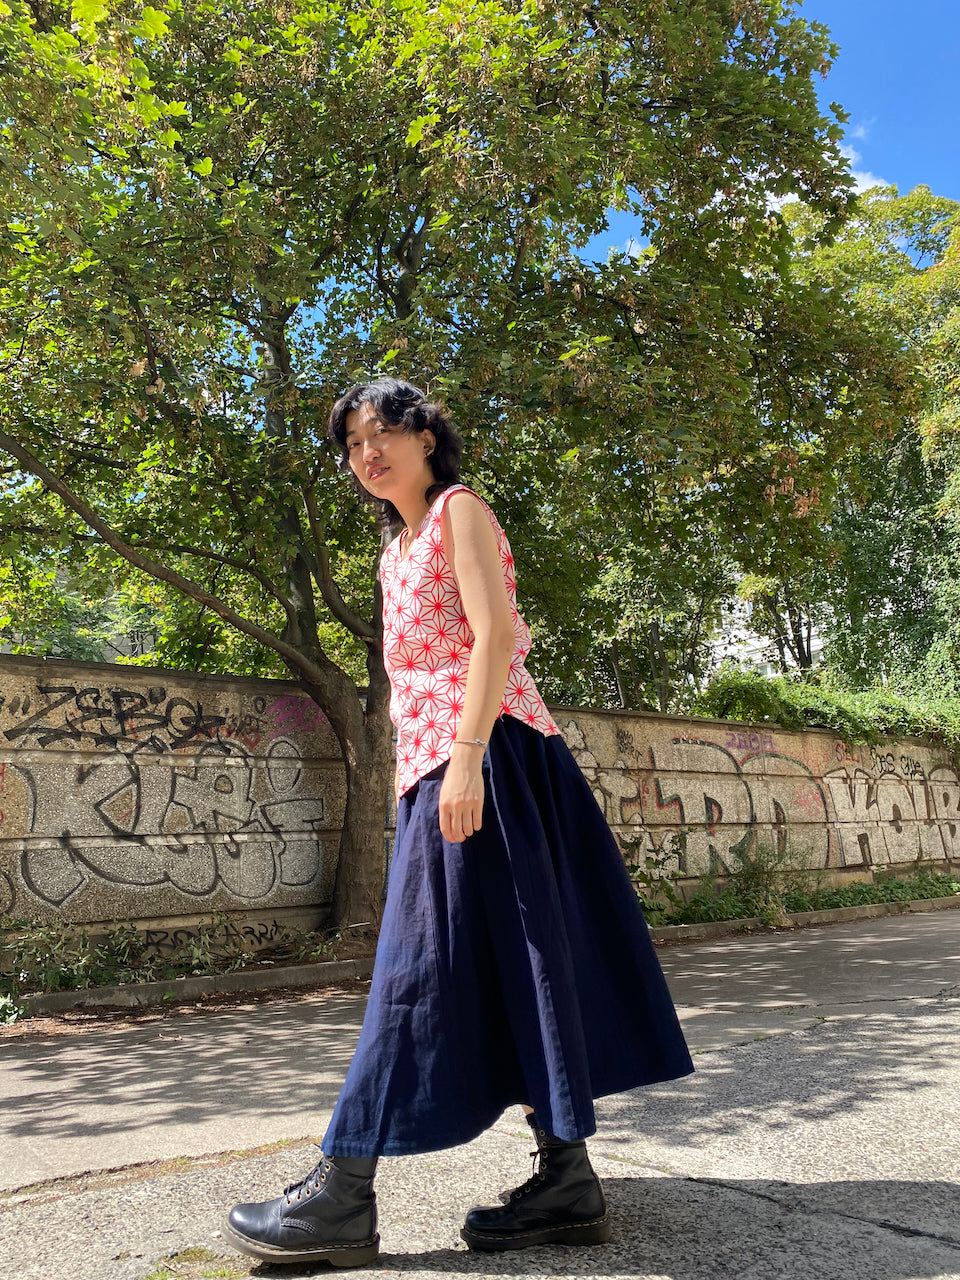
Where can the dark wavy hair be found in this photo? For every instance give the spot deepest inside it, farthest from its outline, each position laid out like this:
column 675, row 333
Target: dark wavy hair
column 399, row 404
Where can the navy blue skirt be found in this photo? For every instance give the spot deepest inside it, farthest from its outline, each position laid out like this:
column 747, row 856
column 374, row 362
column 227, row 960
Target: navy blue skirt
column 514, row 967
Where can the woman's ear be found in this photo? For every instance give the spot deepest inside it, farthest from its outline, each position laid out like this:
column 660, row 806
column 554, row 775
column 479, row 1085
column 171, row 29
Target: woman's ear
column 429, row 442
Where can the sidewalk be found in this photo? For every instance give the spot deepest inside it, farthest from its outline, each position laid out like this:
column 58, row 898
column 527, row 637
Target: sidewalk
column 818, row 1138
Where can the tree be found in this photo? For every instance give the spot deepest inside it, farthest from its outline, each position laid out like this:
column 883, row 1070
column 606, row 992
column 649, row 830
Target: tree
column 879, row 583
column 217, row 215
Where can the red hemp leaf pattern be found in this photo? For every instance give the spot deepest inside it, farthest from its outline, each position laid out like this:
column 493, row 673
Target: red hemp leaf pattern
column 427, row 642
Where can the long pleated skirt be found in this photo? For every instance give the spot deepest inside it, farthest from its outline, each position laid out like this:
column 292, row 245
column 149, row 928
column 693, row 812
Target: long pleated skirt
column 514, row 967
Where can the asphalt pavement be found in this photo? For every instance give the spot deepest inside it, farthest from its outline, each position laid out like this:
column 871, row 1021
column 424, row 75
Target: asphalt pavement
column 818, row 1138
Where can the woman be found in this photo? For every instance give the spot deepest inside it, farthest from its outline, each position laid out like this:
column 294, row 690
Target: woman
column 514, row 964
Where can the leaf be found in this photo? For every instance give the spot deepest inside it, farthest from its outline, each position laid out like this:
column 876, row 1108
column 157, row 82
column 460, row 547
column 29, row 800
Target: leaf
column 87, row 13
column 203, row 167
column 153, row 23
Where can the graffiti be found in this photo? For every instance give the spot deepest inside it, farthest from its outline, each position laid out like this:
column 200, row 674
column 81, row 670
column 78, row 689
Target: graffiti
column 725, row 791
column 162, row 790
column 911, row 768
column 883, row 763
column 296, row 714
column 148, row 800
column 220, row 820
column 253, row 936
column 152, row 719
column 128, row 719
column 739, row 741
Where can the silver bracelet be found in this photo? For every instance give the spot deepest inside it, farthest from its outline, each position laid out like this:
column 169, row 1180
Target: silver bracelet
column 469, row 742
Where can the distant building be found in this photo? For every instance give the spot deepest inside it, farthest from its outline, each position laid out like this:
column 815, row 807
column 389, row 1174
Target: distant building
column 738, row 642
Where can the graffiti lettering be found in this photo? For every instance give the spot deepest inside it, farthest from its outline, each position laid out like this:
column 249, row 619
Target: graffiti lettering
column 293, row 713
column 740, row 741
column 253, row 936
column 883, row 763
column 714, row 807
column 220, row 820
column 124, row 719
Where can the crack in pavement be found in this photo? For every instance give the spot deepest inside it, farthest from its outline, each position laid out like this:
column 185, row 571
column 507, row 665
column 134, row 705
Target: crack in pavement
column 52, row 1190
column 952, row 1241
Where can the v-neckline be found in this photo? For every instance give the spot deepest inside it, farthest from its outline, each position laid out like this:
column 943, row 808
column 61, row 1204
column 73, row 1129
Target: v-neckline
column 420, row 528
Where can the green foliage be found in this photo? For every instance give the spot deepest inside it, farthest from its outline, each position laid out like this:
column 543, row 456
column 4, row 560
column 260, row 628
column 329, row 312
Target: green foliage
column 863, row 893
column 743, row 900
column 800, row 703
column 10, row 1010
column 654, row 875
column 45, row 612
column 881, row 582
column 235, row 209
column 214, row 216
column 41, row 956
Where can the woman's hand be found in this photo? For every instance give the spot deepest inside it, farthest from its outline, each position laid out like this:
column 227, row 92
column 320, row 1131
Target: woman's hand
column 461, row 794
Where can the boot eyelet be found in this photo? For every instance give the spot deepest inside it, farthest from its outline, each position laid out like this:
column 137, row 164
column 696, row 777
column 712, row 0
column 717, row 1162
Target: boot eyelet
column 323, row 1177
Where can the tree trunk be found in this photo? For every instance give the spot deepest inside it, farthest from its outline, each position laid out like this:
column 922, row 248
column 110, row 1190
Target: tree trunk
column 662, row 666
column 618, row 674
column 365, row 734
column 358, row 888
column 365, row 742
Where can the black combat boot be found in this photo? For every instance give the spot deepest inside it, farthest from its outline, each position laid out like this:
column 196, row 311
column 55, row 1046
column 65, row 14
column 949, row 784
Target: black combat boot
column 330, row 1216
column 561, row 1204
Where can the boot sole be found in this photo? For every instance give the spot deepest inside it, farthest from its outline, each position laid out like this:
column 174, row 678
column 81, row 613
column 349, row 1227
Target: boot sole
column 595, row 1232
column 348, row 1255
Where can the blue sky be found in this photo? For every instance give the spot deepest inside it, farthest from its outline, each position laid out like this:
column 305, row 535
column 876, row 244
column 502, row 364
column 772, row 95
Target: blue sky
column 897, row 76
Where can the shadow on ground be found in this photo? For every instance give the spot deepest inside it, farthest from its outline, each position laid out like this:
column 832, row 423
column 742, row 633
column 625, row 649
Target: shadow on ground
column 672, row 1227
column 187, row 1071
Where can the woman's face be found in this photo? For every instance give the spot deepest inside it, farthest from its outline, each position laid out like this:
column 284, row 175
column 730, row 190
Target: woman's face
column 390, row 463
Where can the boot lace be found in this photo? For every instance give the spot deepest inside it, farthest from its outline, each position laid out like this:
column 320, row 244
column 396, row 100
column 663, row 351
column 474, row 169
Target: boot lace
column 312, row 1182
column 540, row 1160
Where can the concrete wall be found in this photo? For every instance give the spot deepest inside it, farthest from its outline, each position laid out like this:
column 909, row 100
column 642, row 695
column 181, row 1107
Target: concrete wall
column 821, row 802
column 135, row 793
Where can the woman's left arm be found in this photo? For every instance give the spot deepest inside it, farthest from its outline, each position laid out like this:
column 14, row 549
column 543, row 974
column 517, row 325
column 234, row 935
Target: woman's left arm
column 474, row 555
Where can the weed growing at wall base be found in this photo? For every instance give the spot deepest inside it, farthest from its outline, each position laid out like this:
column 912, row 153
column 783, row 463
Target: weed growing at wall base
column 42, row 956
column 737, row 901
column 10, row 1010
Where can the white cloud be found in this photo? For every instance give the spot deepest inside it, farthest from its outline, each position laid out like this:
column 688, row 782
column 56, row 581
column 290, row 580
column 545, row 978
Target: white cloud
column 863, row 178
column 862, row 131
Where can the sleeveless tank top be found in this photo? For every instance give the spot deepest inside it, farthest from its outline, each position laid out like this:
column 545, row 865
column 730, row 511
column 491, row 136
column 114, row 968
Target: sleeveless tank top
column 427, row 642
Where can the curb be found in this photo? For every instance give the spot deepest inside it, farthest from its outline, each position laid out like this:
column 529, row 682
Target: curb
column 800, row 919
column 136, row 995
column 141, row 995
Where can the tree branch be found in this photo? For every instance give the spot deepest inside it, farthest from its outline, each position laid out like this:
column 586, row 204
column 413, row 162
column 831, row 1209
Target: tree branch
column 325, row 580
column 311, row 668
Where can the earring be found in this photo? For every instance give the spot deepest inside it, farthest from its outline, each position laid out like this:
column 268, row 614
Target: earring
column 427, row 453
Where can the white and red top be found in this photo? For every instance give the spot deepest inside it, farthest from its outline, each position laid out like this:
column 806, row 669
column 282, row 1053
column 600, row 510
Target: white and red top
column 427, row 642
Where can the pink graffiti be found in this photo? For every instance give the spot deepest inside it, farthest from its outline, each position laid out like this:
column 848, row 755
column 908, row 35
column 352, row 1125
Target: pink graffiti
column 298, row 713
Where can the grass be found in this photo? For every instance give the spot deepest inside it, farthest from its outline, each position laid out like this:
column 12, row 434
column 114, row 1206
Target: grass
column 198, row 1264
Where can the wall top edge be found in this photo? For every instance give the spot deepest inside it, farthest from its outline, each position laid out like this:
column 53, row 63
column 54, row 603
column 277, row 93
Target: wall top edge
column 758, row 726
column 29, row 664
column 120, row 670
